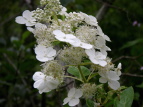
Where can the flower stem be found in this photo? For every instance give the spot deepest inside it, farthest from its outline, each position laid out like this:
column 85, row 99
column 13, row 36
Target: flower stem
column 83, row 77
column 73, row 78
column 56, row 18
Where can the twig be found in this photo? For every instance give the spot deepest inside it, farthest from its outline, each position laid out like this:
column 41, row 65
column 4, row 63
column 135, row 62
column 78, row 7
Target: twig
column 71, row 82
column 128, row 57
column 18, row 72
column 104, row 8
column 132, row 75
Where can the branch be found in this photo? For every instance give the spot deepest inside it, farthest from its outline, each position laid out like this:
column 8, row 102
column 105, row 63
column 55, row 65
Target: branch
column 103, row 10
column 132, row 75
column 22, row 79
column 128, row 57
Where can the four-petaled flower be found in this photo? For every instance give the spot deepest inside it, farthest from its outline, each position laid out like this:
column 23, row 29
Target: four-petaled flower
column 96, row 57
column 91, row 20
column 26, row 18
column 44, row 83
column 44, row 54
column 111, row 77
column 71, row 39
column 73, row 97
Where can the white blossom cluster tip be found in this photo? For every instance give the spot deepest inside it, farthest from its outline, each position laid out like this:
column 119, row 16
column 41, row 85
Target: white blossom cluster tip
column 69, row 39
column 73, row 97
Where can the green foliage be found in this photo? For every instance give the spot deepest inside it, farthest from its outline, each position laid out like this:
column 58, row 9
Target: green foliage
column 89, row 103
column 74, row 71
column 125, row 98
column 131, row 43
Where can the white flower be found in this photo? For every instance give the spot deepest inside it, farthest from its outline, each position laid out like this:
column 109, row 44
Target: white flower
column 26, row 18
column 78, row 43
column 100, row 32
column 44, row 83
column 63, row 11
column 96, row 57
column 64, row 37
column 39, row 28
column 111, row 77
column 101, row 44
column 44, row 54
column 73, row 40
column 73, row 97
column 91, row 20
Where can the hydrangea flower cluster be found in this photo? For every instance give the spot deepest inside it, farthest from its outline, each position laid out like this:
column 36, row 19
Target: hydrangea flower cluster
column 70, row 38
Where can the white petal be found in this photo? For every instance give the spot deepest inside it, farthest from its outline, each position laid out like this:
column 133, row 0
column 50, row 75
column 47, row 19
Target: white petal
column 78, row 93
column 102, row 73
column 40, row 49
column 27, row 14
column 86, row 46
column 30, row 24
column 112, row 75
column 70, row 36
column 30, row 29
column 102, row 80
column 44, row 59
column 102, row 63
column 90, row 52
column 58, row 33
column 106, row 37
column 99, row 55
column 74, row 102
column 66, row 100
column 93, row 60
column 103, row 52
column 76, row 42
column 38, row 76
column 51, row 52
column 20, row 20
column 93, row 20
column 71, row 92
column 119, row 66
column 114, row 84
column 39, row 84
column 45, row 89
column 100, row 31
column 52, row 84
column 101, row 40
column 118, row 73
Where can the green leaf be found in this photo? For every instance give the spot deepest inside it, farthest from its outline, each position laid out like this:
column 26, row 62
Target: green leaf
column 85, row 71
column 74, row 71
column 25, row 36
column 131, row 43
column 126, row 98
column 140, row 86
column 89, row 103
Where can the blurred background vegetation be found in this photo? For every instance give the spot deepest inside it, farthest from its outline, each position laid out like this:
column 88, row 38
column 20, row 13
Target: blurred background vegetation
column 122, row 21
